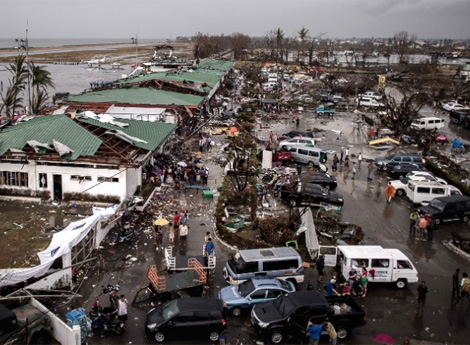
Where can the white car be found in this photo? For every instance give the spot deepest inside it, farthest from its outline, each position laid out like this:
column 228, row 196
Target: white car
column 297, row 141
column 400, row 185
column 452, row 106
column 426, row 174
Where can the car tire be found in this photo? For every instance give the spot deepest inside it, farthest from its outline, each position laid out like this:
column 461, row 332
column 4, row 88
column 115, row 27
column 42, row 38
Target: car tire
column 214, row 336
column 276, row 337
column 465, row 219
column 400, row 192
column 342, row 332
column 236, row 311
column 401, row 283
column 159, row 337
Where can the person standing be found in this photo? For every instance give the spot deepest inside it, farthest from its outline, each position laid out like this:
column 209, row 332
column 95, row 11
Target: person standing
column 122, row 308
column 422, row 291
column 352, row 277
column 346, row 164
column 354, row 171
column 314, row 331
column 422, row 224
column 320, row 266
column 176, row 219
column 171, row 234
column 158, row 237
column 465, row 288
column 297, row 122
column 370, row 169
column 209, row 247
column 346, row 154
column 364, row 282
column 390, row 192
column 456, row 285
column 183, row 232
column 414, row 216
column 327, row 326
column 359, row 159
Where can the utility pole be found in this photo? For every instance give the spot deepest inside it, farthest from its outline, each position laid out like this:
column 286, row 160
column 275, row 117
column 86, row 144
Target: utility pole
column 23, row 44
column 135, row 41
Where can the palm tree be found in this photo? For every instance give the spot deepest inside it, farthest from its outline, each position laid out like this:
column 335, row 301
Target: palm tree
column 303, row 35
column 12, row 99
column 279, row 35
column 40, row 81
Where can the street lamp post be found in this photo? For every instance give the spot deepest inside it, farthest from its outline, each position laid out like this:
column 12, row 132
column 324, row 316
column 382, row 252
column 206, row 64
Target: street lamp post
column 135, row 41
column 23, row 44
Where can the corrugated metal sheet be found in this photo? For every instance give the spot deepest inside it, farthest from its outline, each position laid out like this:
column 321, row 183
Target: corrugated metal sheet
column 45, row 129
column 220, row 65
column 136, row 95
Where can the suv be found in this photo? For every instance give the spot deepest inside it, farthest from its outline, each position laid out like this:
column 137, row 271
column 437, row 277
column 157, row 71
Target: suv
column 448, row 208
column 297, row 141
column 385, row 163
column 191, row 318
column 461, row 118
column 253, row 291
column 23, row 325
column 401, row 170
column 313, row 194
column 293, row 134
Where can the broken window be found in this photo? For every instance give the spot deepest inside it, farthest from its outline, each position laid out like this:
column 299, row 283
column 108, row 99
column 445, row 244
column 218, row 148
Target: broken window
column 42, row 180
column 11, row 178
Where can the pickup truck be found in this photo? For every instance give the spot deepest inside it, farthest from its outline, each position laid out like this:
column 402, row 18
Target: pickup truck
column 24, row 325
column 321, row 110
column 288, row 316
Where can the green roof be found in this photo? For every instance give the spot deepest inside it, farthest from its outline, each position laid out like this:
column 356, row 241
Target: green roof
column 45, row 129
column 137, row 95
column 219, row 65
column 154, row 133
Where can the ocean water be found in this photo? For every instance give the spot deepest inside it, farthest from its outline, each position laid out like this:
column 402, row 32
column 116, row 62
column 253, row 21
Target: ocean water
column 57, row 42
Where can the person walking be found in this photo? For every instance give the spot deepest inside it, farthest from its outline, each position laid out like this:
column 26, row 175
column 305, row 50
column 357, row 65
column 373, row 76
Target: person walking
column 183, row 232
column 370, row 169
column 414, row 216
column 354, row 171
column 352, row 277
column 123, row 304
column 171, row 234
column 327, row 326
column 297, row 122
column 364, row 282
column 158, row 237
column 456, row 285
column 465, row 288
column 320, row 266
column 431, row 226
column 422, row 291
column 422, row 224
column 390, row 192
column 314, row 331
column 359, row 159
column 176, row 219
column 346, row 164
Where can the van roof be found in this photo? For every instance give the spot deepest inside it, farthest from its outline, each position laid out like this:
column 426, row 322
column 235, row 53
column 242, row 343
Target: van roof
column 397, row 254
column 428, row 118
column 360, row 251
column 263, row 253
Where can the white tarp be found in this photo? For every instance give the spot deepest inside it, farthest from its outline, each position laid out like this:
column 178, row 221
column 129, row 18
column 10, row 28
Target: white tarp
column 62, row 243
column 104, row 118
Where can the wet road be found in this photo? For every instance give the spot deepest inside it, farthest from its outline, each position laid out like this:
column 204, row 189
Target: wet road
column 388, row 309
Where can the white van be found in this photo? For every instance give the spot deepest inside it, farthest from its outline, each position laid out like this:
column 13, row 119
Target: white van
column 423, row 192
column 382, row 265
column 373, row 94
column 308, row 155
column 283, row 262
column 427, row 123
column 370, row 102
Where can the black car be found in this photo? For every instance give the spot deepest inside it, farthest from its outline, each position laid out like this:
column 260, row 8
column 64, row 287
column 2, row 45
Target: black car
column 293, row 134
column 312, row 194
column 323, row 179
column 448, row 208
column 187, row 318
column 386, row 163
column 328, row 99
column 401, row 170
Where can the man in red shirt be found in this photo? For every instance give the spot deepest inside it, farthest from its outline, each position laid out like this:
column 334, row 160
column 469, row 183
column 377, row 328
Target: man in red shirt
column 176, row 219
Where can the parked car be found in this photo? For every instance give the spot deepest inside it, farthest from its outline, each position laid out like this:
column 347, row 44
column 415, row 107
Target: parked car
column 370, row 102
column 427, row 123
column 187, row 318
column 461, row 118
column 402, row 183
column 450, row 106
column 385, row 163
column 323, row 179
column 254, row 291
column 288, row 316
column 322, row 109
column 373, row 94
column 328, row 100
column 312, row 194
column 401, row 170
column 296, row 141
column 448, row 208
column 293, row 134
column 428, row 175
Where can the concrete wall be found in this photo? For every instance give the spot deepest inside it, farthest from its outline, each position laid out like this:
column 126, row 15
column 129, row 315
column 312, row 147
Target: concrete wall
column 133, row 179
column 60, row 330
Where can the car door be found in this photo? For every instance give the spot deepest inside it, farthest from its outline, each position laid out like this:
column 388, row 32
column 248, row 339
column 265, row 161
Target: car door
column 202, row 324
column 297, row 324
column 256, row 297
column 180, row 327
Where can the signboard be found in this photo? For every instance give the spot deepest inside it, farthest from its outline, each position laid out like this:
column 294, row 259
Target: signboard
column 267, row 162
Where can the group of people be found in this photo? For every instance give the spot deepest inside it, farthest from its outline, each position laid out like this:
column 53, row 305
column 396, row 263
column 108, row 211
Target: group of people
column 422, row 226
column 314, row 330
column 179, row 226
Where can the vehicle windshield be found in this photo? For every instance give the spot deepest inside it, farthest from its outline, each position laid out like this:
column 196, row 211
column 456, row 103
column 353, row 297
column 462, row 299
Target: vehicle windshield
column 405, row 180
column 389, row 158
column 284, row 305
column 237, row 264
column 437, row 204
column 246, row 287
column 170, row 309
column 285, row 285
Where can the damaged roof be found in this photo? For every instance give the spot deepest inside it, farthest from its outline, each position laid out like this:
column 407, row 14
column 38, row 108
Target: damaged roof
column 138, row 95
column 219, row 65
column 45, row 130
column 71, row 139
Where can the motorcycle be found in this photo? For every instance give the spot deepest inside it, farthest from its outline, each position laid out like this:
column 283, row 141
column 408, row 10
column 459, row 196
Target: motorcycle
column 123, row 236
column 105, row 319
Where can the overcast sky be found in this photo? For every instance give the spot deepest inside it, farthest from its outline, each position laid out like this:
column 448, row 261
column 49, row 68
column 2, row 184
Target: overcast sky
column 172, row 18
